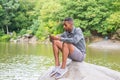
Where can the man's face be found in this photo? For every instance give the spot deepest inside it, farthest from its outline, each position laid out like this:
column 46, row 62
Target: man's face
column 67, row 26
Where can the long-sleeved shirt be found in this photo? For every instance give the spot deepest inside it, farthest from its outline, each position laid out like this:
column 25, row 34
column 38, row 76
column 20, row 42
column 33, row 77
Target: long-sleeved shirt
column 75, row 37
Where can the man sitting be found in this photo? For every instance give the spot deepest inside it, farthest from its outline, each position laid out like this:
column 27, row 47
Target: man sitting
column 72, row 45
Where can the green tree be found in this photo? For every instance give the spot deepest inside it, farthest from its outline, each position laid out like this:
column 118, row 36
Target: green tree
column 17, row 14
column 9, row 8
column 1, row 18
column 43, row 17
column 47, row 20
column 90, row 15
column 113, row 21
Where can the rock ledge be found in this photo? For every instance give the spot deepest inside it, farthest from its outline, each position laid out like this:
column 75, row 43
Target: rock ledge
column 86, row 71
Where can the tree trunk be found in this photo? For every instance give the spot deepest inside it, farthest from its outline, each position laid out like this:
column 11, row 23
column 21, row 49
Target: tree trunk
column 7, row 29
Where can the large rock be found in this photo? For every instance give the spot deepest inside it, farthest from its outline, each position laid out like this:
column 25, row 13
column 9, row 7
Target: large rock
column 85, row 71
column 116, row 36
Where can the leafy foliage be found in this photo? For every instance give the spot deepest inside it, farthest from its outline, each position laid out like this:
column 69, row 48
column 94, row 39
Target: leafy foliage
column 43, row 17
column 5, row 38
column 92, row 16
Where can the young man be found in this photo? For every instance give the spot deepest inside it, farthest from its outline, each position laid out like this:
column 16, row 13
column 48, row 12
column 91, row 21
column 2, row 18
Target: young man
column 72, row 45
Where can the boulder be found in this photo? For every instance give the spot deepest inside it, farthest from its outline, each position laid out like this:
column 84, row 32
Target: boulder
column 85, row 71
column 28, row 35
column 116, row 36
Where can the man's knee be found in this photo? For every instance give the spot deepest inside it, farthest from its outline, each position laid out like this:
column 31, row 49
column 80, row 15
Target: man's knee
column 67, row 44
column 64, row 44
column 56, row 42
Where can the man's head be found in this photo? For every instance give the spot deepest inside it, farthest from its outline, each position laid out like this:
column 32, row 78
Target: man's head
column 68, row 24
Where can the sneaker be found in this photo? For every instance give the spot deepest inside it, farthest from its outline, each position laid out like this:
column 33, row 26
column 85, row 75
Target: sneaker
column 68, row 61
column 60, row 73
column 54, row 70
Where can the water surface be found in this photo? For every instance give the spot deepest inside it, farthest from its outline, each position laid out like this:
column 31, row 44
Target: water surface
column 27, row 61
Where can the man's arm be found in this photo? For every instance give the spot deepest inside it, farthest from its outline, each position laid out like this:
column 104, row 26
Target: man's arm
column 77, row 37
column 56, row 37
column 63, row 34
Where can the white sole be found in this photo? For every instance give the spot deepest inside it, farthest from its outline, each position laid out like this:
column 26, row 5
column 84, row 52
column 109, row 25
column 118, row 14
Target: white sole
column 62, row 74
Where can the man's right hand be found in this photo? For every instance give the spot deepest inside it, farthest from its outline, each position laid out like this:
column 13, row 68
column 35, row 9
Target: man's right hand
column 54, row 38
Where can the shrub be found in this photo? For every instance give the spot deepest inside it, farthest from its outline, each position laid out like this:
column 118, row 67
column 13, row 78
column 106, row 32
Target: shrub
column 1, row 33
column 14, row 35
column 23, row 31
column 5, row 38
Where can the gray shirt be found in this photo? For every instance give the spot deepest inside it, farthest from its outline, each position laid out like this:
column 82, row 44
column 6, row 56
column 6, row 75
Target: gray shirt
column 75, row 37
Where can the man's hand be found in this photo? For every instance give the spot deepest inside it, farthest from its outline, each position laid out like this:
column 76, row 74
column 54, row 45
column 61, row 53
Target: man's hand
column 54, row 38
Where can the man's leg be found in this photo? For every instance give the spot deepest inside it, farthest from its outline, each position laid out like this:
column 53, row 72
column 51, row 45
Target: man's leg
column 57, row 45
column 67, row 49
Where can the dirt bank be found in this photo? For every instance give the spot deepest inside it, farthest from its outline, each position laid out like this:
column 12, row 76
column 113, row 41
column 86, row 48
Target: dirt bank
column 105, row 44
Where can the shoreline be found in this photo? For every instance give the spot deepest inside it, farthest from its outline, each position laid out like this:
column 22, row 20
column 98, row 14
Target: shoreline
column 94, row 42
column 105, row 44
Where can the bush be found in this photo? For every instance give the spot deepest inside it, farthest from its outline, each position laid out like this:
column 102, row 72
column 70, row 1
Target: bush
column 113, row 22
column 22, row 32
column 1, row 33
column 14, row 35
column 5, row 38
column 29, row 32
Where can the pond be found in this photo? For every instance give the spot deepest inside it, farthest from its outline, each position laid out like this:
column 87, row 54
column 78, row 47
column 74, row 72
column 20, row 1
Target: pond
column 23, row 61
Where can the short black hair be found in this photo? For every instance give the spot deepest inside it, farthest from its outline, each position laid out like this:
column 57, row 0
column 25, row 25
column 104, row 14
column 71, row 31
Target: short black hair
column 68, row 19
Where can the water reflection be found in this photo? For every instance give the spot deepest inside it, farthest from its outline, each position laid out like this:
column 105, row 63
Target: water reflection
column 104, row 57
